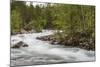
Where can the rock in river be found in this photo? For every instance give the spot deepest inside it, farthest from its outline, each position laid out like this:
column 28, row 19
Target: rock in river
column 19, row 44
column 25, row 45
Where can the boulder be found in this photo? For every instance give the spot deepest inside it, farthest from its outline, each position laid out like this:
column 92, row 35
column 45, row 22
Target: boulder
column 25, row 45
column 54, row 42
column 19, row 44
column 16, row 46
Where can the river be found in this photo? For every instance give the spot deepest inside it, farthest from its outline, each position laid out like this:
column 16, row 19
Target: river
column 42, row 52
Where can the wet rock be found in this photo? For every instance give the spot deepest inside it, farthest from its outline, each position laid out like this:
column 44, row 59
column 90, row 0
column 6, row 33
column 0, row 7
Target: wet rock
column 54, row 42
column 19, row 44
column 44, row 38
column 25, row 45
column 16, row 46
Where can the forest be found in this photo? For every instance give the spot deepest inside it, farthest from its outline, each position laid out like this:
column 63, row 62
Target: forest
column 75, row 24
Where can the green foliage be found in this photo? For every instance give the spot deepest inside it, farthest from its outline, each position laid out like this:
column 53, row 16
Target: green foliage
column 68, row 18
column 15, row 21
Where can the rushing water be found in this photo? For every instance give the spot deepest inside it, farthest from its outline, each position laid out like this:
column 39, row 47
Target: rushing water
column 42, row 52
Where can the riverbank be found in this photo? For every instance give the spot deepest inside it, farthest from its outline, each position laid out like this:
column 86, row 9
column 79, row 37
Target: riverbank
column 84, row 43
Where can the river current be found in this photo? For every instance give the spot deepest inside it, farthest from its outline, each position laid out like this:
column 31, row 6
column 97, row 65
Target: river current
column 42, row 52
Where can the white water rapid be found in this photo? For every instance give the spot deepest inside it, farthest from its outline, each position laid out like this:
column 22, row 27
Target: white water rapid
column 42, row 52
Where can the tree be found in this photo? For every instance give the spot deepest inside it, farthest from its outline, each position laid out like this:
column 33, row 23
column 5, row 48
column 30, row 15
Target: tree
column 16, row 22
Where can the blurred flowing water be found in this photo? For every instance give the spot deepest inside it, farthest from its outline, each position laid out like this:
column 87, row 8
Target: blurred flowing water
column 42, row 52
